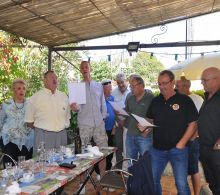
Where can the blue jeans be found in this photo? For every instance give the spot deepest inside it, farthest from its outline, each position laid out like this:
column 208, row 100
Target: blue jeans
column 137, row 145
column 179, row 162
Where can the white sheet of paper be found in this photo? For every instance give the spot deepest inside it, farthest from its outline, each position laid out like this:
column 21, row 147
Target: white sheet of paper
column 77, row 93
column 143, row 122
column 117, row 108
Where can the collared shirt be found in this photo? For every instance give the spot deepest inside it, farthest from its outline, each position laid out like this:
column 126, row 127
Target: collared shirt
column 139, row 108
column 110, row 119
column 209, row 120
column 171, row 117
column 120, row 97
column 12, row 125
column 94, row 111
column 48, row 111
column 197, row 100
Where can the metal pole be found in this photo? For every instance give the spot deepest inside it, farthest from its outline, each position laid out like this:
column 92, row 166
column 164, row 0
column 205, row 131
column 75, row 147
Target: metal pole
column 186, row 40
column 49, row 58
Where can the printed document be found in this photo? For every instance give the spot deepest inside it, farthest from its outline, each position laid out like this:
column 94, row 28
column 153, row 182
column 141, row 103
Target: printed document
column 77, row 93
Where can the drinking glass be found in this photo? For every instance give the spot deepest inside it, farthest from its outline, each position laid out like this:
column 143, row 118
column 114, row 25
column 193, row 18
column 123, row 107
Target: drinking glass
column 8, row 166
column 8, row 173
column 16, row 173
column 21, row 160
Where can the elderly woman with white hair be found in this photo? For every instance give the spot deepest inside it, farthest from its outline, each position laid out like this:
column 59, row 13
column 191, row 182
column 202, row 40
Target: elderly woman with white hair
column 16, row 139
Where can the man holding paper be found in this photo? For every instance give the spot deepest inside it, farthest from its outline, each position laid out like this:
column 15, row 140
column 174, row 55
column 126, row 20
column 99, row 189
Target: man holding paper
column 91, row 115
column 137, row 103
column 175, row 116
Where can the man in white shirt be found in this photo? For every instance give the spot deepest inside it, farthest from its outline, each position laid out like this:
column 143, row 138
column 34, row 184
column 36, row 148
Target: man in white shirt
column 120, row 93
column 183, row 86
column 49, row 113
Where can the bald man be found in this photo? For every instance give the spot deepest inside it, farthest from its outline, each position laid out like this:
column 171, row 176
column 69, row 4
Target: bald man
column 209, row 128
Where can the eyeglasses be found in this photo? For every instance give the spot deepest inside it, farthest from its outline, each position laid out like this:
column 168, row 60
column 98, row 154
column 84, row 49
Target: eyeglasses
column 163, row 83
column 106, row 83
column 206, row 80
column 133, row 86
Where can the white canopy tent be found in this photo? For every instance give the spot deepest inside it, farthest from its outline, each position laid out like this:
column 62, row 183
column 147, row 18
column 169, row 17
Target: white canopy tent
column 192, row 68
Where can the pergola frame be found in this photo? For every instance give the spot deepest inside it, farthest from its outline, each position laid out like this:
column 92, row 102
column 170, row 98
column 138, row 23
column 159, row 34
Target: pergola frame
column 104, row 47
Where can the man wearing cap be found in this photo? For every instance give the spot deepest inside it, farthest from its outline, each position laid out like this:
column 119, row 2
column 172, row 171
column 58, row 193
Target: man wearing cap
column 110, row 119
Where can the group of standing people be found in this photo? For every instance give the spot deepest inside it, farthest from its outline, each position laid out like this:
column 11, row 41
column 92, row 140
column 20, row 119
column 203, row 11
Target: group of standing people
column 186, row 128
column 178, row 132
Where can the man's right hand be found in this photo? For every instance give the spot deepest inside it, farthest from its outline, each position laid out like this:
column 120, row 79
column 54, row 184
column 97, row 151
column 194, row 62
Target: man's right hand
column 74, row 107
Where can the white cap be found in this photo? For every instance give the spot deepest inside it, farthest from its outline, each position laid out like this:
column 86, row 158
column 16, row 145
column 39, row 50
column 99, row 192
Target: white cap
column 106, row 82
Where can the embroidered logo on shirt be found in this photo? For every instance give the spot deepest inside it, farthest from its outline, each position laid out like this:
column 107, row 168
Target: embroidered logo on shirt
column 175, row 106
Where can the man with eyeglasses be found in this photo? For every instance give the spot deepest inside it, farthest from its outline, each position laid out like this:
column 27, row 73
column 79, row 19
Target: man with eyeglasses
column 137, row 103
column 175, row 118
column 209, row 128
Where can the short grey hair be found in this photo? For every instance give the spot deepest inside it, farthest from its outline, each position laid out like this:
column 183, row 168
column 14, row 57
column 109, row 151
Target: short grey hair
column 120, row 77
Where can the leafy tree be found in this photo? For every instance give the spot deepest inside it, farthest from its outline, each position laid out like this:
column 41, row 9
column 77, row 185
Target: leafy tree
column 102, row 70
column 10, row 64
column 29, row 63
column 147, row 67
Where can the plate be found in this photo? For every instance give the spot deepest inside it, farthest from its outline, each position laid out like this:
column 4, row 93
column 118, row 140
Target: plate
column 22, row 180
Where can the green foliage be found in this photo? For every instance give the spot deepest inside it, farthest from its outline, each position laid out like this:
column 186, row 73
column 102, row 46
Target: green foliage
column 102, row 70
column 10, row 64
column 73, row 121
column 156, row 93
column 30, row 63
column 146, row 66
column 64, row 70
column 199, row 92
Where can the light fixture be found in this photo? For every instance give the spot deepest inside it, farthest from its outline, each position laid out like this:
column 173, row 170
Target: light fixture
column 133, row 46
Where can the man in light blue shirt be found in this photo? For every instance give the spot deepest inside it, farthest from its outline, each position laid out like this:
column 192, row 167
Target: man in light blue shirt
column 92, row 114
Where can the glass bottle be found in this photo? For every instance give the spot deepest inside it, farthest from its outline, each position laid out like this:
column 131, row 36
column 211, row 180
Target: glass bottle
column 78, row 143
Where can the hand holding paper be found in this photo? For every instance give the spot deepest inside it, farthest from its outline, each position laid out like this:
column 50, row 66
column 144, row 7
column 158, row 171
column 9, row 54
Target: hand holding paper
column 117, row 108
column 143, row 122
